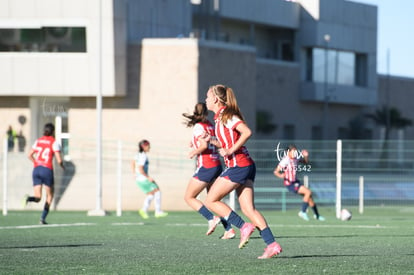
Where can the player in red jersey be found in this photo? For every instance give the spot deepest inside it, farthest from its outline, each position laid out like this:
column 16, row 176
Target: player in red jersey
column 207, row 170
column 287, row 169
column 232, row 133
column 41, row 154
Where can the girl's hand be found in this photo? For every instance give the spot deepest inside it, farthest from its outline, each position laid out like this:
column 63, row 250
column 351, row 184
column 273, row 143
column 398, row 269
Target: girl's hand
column 224, row 152
column 191, row 154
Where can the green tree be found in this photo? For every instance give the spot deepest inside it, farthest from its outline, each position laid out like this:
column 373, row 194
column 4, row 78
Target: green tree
column 389, row 118
column 263, row 122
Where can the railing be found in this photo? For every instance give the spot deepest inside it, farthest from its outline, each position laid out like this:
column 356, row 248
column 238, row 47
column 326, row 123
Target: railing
column 386, row 168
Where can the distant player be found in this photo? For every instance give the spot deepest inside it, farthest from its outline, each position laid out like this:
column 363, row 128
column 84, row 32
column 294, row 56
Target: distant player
column 207, row 170
column 145, row 182
column 41, row 154
column 287, row 169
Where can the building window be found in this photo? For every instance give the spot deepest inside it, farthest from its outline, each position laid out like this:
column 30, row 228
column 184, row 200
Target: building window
column 316, row 132
column 286, row 50
column 368, row 134
column 335, row 67
column 343, row 133
column 289, row 132
column 270, row 42
column 45, row 39
column 361, row 70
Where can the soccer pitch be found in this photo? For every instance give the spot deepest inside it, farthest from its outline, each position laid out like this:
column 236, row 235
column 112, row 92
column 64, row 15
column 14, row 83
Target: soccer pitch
column 378, row 242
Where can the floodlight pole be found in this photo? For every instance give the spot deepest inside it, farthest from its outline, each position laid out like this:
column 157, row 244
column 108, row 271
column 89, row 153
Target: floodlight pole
column 98, row 211
column 5, row 175
column 326, row 38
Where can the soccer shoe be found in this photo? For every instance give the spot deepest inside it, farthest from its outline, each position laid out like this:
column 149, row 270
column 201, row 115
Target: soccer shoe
column 245, row 232
column 143, row 214
column 271, row 251
column 42, row 222
column 24, row 201
column 229, row 234
column 320, row 218
column 161, row 214
column 303, row 215
column 212, row 224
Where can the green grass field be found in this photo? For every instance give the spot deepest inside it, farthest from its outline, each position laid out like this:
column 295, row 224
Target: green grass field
column 378, row 242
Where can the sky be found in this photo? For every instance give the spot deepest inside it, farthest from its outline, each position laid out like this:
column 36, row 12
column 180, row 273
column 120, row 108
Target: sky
column 395, row 53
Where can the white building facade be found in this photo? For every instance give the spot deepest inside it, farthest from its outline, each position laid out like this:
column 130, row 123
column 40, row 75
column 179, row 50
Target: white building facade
column 301, row 70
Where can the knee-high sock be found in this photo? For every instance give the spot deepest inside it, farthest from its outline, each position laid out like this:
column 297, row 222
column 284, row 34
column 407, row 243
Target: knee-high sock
column 305, row 206
column 235, row 219
column 157, row 196
column 147, row 202
column 45, row 211
column 315, row 210
column 35, row 199
column 226, row 224
column 267, row 236
column 205, row 213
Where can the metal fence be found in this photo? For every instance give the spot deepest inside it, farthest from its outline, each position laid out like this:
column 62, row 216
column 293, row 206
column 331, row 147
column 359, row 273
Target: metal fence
column 385, row 167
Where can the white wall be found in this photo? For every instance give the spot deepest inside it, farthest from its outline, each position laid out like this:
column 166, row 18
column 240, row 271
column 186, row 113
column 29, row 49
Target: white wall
column 57, row 74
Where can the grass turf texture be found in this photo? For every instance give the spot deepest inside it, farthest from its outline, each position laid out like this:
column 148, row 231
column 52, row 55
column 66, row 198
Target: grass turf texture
column 377, row 242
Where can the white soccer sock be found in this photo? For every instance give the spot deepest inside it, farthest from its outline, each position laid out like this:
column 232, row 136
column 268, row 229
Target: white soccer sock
column 157, row 196
column 147, row 202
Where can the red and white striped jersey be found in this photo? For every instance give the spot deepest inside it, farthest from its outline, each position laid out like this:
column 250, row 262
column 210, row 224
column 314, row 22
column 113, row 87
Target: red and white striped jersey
column 227, row 135
column 45, row 148
column 289, row 166
column 208, row 158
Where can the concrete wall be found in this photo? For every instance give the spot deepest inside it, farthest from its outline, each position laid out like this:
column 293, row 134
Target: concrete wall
column 163, row 86
column 66, row 74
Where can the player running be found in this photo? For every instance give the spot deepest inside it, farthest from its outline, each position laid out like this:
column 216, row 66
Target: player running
column 41, row 154
column 208, row 168
column 232, row 133
column 147, row 184
column 286, row 170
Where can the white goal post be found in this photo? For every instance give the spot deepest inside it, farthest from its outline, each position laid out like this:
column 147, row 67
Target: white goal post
column 338, row 177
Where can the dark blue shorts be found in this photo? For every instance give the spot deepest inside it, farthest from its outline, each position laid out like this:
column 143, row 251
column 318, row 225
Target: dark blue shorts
column 240, row 174
column 43, row 175
column 294, row 186
column 207, row 174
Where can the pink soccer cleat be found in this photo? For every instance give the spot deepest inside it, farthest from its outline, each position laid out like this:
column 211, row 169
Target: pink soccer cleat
column 245, row 232
column 229, row 234
column 271, row 251
column 212, row 224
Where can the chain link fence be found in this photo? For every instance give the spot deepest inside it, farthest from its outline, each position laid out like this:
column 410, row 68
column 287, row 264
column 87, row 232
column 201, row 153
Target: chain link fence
column 386, row 169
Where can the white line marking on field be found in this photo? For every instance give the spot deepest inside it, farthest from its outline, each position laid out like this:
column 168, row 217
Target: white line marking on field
column 128, row 223
column 332, row 226
column 200, row 225
column 299, row 225
column 186, row 224
column 46, row 225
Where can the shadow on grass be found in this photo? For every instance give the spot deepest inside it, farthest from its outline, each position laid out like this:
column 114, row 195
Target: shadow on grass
column 49, row 246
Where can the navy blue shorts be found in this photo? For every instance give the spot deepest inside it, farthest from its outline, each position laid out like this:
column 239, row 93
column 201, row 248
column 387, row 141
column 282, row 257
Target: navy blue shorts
column 294, row 186
column 240, row 174
column 207, row 174
column 43, row 175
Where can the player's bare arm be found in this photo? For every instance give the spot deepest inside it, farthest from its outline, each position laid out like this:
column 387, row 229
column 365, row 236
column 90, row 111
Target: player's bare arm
column 305, row 158
column 279, row 172
column 202, row 145
column 142, row 172
column 31, row 155
column 211, row 139
column 245, row 134
column 59, row 160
